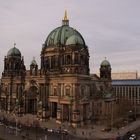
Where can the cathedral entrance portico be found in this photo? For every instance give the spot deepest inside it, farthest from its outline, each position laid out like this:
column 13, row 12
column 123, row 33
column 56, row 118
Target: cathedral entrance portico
column 31, row 103
column 31, row 98
column 31, row 106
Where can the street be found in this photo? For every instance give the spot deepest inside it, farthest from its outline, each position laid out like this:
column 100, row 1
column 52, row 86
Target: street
column 27, row 134
column 8, row 132
column 129, row 133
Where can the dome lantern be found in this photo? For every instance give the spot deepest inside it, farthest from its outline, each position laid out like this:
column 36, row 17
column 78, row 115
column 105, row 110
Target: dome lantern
column 65, row 20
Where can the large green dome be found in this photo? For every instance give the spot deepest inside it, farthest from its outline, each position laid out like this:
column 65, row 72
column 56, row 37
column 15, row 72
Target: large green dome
column 64, row 35
column 14, row 52
column 61, row 35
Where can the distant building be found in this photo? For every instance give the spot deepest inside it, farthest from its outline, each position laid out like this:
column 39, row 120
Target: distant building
column 128, row 91
column 124, row 75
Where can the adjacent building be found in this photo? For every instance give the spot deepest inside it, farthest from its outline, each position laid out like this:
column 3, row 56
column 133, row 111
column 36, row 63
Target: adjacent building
column 128, row 90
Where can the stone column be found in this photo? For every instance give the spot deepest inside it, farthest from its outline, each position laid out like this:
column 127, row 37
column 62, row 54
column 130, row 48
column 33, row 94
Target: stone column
column 62, row 111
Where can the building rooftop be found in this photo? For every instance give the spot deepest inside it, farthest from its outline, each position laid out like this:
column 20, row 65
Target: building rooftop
column 132, row 82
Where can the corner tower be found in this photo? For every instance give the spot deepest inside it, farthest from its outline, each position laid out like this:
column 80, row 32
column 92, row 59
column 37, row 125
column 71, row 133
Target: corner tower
column 105, row 70
column 13, row 63
column 33, row 67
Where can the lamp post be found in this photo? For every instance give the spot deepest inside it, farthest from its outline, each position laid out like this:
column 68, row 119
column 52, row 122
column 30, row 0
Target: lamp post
column 17, row 107
column 16, row 126
column 16, row 123
column 36, row 127
column 135, row 107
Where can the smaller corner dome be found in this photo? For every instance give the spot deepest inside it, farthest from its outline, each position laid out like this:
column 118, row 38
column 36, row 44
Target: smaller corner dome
column 14, row 52
column 75, row 39
column 105, row 63
column 33, row 62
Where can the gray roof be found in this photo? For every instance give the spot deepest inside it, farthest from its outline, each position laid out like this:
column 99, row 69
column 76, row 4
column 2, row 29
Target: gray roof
column 131, row 82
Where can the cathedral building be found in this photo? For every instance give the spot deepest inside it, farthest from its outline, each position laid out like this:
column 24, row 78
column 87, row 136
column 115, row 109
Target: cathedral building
column 62, row 88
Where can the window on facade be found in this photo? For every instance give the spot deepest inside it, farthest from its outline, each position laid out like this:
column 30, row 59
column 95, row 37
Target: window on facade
column 120, row 89
column 133, row 91
column 129, row 95
column 63, row 59
column 126, row 89
column 100, row 111
column 55, row 91
column 82, row 91
column 76, row 58
column 133, row 94
column 82, row 59
column 47, row 63
column 138, row 89
column 68, row 59
column 74, row 116
column 16, row 66
column 136, row 95
column 52, row 61
column 67, row 91
column 56, row 61
column 9, row 89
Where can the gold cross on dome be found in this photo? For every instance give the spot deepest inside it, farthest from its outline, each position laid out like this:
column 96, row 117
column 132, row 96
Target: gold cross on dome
column 14, row 44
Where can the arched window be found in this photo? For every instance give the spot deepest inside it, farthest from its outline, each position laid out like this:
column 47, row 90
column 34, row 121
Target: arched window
column 82, row 60
column 76, row 59
column 83, row 88
column 52, row 61
column 16, row 66
column 68, row 59
column 67, row 91
column 63, row 60
column 55, row 91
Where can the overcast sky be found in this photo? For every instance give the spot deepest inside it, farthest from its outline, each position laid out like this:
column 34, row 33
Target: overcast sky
column 111, row 28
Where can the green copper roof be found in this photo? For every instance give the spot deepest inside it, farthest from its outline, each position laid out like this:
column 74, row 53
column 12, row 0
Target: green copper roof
column 33, row 62
column 105, row 63
column 74, row 39
column 64, row 35
column 14, row 52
